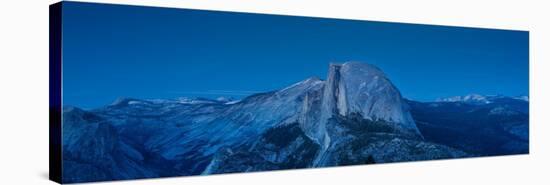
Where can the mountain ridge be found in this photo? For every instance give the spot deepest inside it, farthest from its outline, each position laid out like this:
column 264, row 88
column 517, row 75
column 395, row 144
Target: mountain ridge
column 480, row 99
column 355, row 116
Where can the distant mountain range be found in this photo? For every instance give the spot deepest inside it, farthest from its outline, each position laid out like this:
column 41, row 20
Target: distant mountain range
column 483, row 126
column 480, row 99
column 355, row 116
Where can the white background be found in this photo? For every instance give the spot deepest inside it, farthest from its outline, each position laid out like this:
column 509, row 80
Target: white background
column 24, row 91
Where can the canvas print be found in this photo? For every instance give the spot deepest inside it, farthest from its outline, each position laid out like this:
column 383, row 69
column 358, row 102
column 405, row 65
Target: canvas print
column 145, row 92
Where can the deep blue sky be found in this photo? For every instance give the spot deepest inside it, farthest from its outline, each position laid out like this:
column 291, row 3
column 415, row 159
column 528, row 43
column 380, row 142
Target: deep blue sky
column 114, row 51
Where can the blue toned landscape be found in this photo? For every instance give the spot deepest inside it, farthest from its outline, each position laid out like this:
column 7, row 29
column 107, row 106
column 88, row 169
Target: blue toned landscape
column 156, row 92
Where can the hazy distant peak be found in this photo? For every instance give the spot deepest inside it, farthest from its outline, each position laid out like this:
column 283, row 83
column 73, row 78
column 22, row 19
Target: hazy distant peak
column 480, row 99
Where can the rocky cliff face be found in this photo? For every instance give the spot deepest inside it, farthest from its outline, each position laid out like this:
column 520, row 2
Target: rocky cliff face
column 359, row 88
column 368, row 91
column 354, row 88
